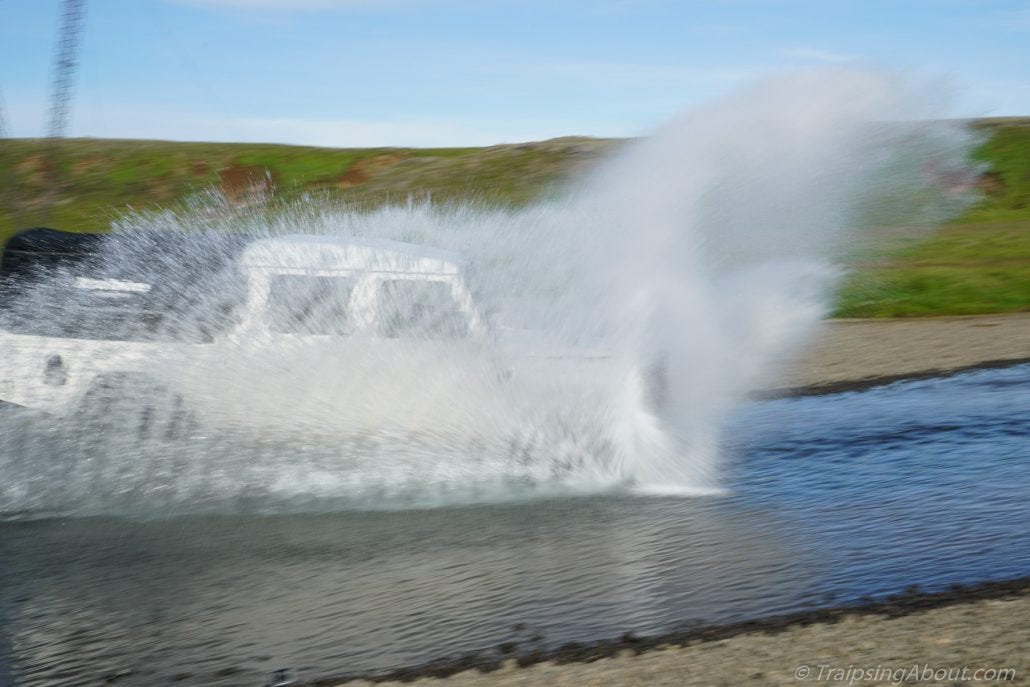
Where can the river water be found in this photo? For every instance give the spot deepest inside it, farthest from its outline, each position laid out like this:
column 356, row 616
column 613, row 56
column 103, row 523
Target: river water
column 829, row 499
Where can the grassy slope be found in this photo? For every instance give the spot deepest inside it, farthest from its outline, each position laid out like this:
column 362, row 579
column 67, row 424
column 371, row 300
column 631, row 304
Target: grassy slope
column 980, row 263
column 100, row 178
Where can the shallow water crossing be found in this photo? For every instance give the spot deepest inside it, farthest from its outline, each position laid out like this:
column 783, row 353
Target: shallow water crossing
column 338, row 440
column 312, row 357
column 828, row 499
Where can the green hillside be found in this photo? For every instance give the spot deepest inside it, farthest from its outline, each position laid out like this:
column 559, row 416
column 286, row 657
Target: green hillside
column 979, row 263
column 86, row 182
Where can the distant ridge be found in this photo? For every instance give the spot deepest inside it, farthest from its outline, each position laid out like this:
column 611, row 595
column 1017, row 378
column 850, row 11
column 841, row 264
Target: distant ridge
column 977, row 264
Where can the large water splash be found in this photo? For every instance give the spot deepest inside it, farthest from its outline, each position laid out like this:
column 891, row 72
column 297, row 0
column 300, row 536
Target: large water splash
column 687, row 267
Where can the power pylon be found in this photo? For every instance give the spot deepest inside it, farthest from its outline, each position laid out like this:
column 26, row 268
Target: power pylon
column 65, row 62
column 64, row 66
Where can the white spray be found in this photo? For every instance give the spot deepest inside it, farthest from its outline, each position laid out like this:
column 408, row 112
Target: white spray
column 695, row 260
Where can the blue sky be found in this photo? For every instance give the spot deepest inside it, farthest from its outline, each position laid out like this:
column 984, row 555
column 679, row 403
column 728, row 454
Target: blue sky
column 474, row 72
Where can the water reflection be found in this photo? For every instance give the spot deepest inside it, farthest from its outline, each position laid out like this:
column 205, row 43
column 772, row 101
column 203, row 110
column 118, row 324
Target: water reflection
column 369, row 590
column 831, row 498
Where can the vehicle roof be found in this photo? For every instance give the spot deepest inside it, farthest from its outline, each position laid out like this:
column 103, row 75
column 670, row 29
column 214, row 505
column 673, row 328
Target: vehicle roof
column 47, row 240
column 312, row 252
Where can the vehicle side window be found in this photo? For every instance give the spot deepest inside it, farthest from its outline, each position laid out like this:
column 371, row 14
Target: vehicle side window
column 412, row 308
column 301, row 304
column 98, row 306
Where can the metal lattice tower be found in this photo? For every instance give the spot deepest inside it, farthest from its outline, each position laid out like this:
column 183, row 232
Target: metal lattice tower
column 64, row 67
column 60, row 101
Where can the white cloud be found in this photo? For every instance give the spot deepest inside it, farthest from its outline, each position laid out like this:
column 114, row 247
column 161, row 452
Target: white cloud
column 143, row 122
column 611, row 74
column 993, row 97
column 808, row 54
column 1018, row 20
column 302, row 5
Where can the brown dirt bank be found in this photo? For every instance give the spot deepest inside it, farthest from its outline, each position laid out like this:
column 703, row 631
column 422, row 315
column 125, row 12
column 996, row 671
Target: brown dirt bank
column 852, row 354
column 983, row 627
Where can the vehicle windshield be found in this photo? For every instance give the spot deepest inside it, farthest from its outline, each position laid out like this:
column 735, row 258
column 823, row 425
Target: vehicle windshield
column 409, row 308
column 302, row 304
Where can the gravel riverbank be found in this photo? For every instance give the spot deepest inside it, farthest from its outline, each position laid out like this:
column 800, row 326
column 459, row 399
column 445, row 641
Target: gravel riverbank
column 983, row 634
column 850, row 354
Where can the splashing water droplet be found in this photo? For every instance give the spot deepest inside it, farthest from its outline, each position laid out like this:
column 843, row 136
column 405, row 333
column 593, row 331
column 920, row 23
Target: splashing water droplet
column 595, row 341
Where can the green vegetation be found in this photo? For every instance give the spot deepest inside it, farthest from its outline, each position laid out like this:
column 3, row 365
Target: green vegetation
column 85, row 183
column 1006, row 184
column 979, row 263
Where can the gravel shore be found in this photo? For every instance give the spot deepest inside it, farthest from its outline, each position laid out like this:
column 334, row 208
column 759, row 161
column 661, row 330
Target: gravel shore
column 857, row 353
column 987, row 638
